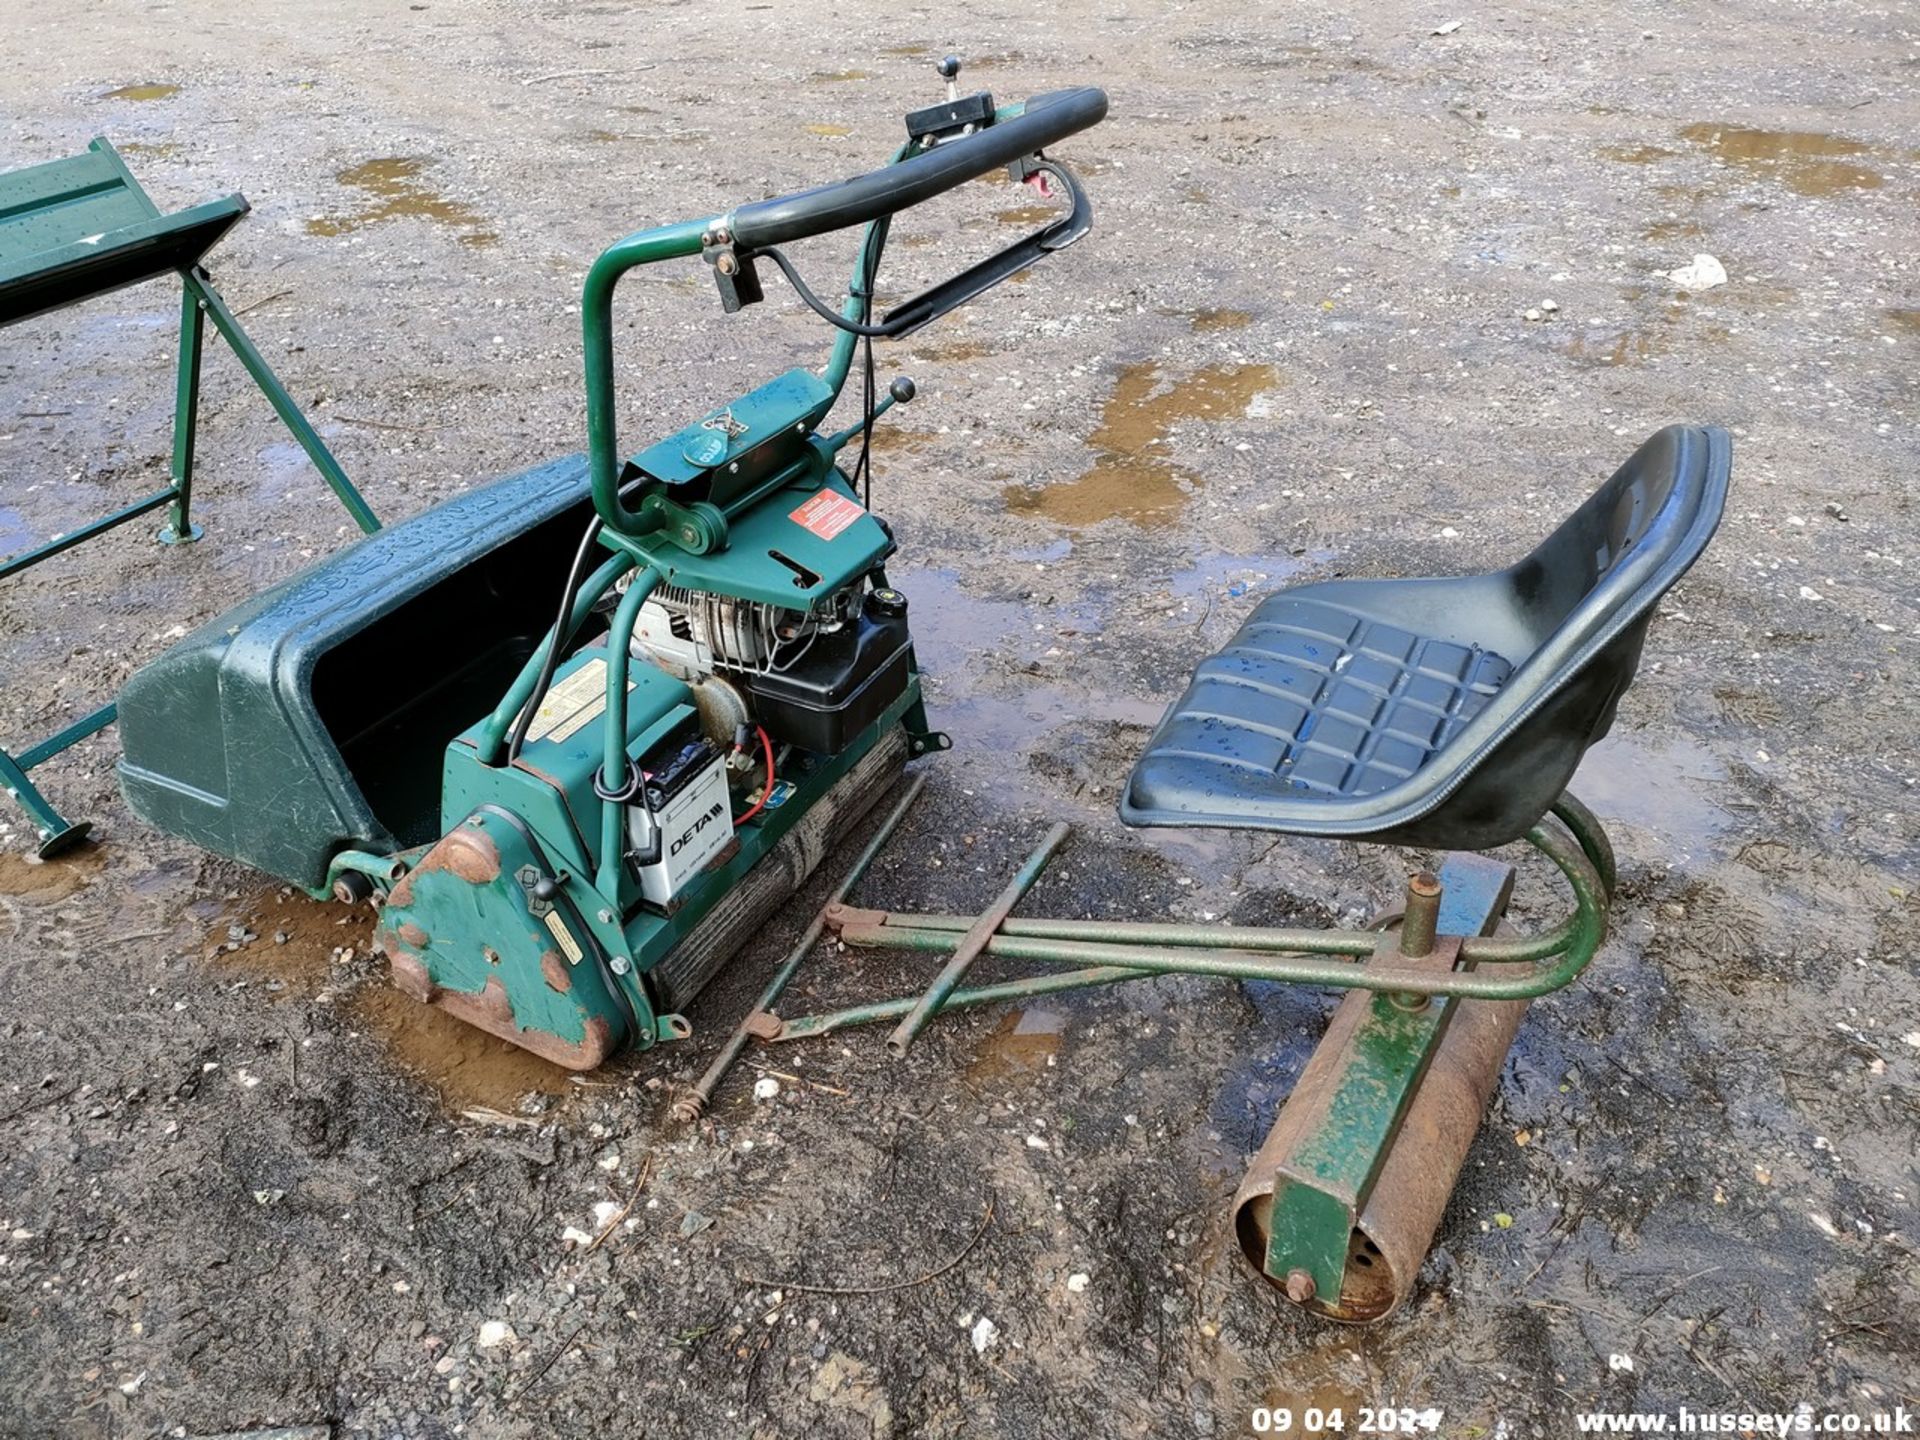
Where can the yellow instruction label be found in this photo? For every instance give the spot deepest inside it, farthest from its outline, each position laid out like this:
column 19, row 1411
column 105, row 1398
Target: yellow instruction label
column 564, row 936
column 572, row 704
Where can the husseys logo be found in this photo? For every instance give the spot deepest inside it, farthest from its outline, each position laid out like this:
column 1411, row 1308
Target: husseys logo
column 694, row 829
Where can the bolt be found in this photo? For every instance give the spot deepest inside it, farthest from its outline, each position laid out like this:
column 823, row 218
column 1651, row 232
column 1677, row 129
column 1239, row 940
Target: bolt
column 620, row 964
column 606, row 917
column 689, row 1108
column 1422, row 915
column 1300, row 1286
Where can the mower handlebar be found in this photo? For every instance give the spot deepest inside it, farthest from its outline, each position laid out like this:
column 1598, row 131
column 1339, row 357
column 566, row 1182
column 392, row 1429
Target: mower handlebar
column 1045, row 120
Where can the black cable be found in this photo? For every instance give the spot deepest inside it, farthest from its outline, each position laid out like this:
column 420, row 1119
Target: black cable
column 821, row 308
column 863, row 467
column 540, row 686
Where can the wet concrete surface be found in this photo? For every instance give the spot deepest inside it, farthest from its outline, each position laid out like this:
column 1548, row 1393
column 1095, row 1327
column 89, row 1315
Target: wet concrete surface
column 244, row 1183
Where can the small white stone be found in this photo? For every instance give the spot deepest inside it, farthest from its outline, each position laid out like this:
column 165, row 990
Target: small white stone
column 765, row 1088
column 1703, row 273
column 1036, row 1142
column 494, row 1334
column 609, row 1161
column 1077, row 1282
column 984, row 1334
column 1807, row 592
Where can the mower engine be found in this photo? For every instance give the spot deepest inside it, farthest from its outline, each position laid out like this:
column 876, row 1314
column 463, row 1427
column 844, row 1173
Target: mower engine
column 810, row 679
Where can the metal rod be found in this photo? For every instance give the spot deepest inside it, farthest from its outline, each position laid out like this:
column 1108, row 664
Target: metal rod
column 1421, row 920
column 69, row 737
column 1586, row 828
column 283, row 404
column 180, row 529
column 1223, row 937
column 1024, row 989
column 48, row 821
column 1583, row 931
column 693, row 1104
column 613, row 728
column 86, row 532
column 973, row 943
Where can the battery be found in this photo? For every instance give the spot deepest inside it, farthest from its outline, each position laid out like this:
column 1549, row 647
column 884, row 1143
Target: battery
column 692, row 807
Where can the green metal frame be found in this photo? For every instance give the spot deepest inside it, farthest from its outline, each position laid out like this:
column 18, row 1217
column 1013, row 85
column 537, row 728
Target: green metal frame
column 1104, row 952
column 57, row 260
column 1442, row 953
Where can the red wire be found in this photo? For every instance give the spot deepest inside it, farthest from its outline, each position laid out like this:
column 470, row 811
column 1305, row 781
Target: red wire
column 766, row 748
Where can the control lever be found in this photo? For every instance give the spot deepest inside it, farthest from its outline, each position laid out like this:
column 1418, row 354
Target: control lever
column 955, row 116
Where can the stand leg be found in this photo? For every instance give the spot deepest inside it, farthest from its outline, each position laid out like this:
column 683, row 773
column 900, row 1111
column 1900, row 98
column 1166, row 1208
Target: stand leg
column 276, row 393
column 56, row 832
column 180, row 529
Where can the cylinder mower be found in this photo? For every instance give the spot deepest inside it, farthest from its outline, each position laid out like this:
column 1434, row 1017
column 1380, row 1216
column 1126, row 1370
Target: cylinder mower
column 571, row 820
column 571, row 815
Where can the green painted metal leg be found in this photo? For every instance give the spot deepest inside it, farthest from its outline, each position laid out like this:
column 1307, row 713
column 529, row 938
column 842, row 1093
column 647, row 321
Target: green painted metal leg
column 276, row 393
column 56, row 832
column 180, row 529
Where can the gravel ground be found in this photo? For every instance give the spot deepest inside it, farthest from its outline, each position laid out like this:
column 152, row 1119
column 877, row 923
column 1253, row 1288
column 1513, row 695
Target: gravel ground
column 1361, row 299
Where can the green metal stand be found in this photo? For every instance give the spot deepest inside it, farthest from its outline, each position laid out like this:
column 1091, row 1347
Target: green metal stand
column 80, row 227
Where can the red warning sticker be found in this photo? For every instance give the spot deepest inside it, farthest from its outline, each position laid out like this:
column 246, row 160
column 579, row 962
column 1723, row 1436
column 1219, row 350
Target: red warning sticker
column 827, row 514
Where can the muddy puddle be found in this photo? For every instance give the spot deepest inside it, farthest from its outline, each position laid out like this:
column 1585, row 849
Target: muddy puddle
column 987, row 661
column 1905, row 319
column 42, row 882
column 957, row 350
column 1212, row 318
column 1674, row 230
column 1671, row 331
column 148, row 90
column 286, row 942
column 1665, row 788
column 838, row 77
column 470, row 1068
column 1637, row 154
column 396, row 190
column 1029, row 215
column 1805, row 161
column 1023, row 1045
column 291, row 947
column 1138, row 472
column 829, row 131
column 16, row 533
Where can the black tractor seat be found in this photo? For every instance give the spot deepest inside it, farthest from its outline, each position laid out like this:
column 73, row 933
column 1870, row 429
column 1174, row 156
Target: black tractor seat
column 1448, row 712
